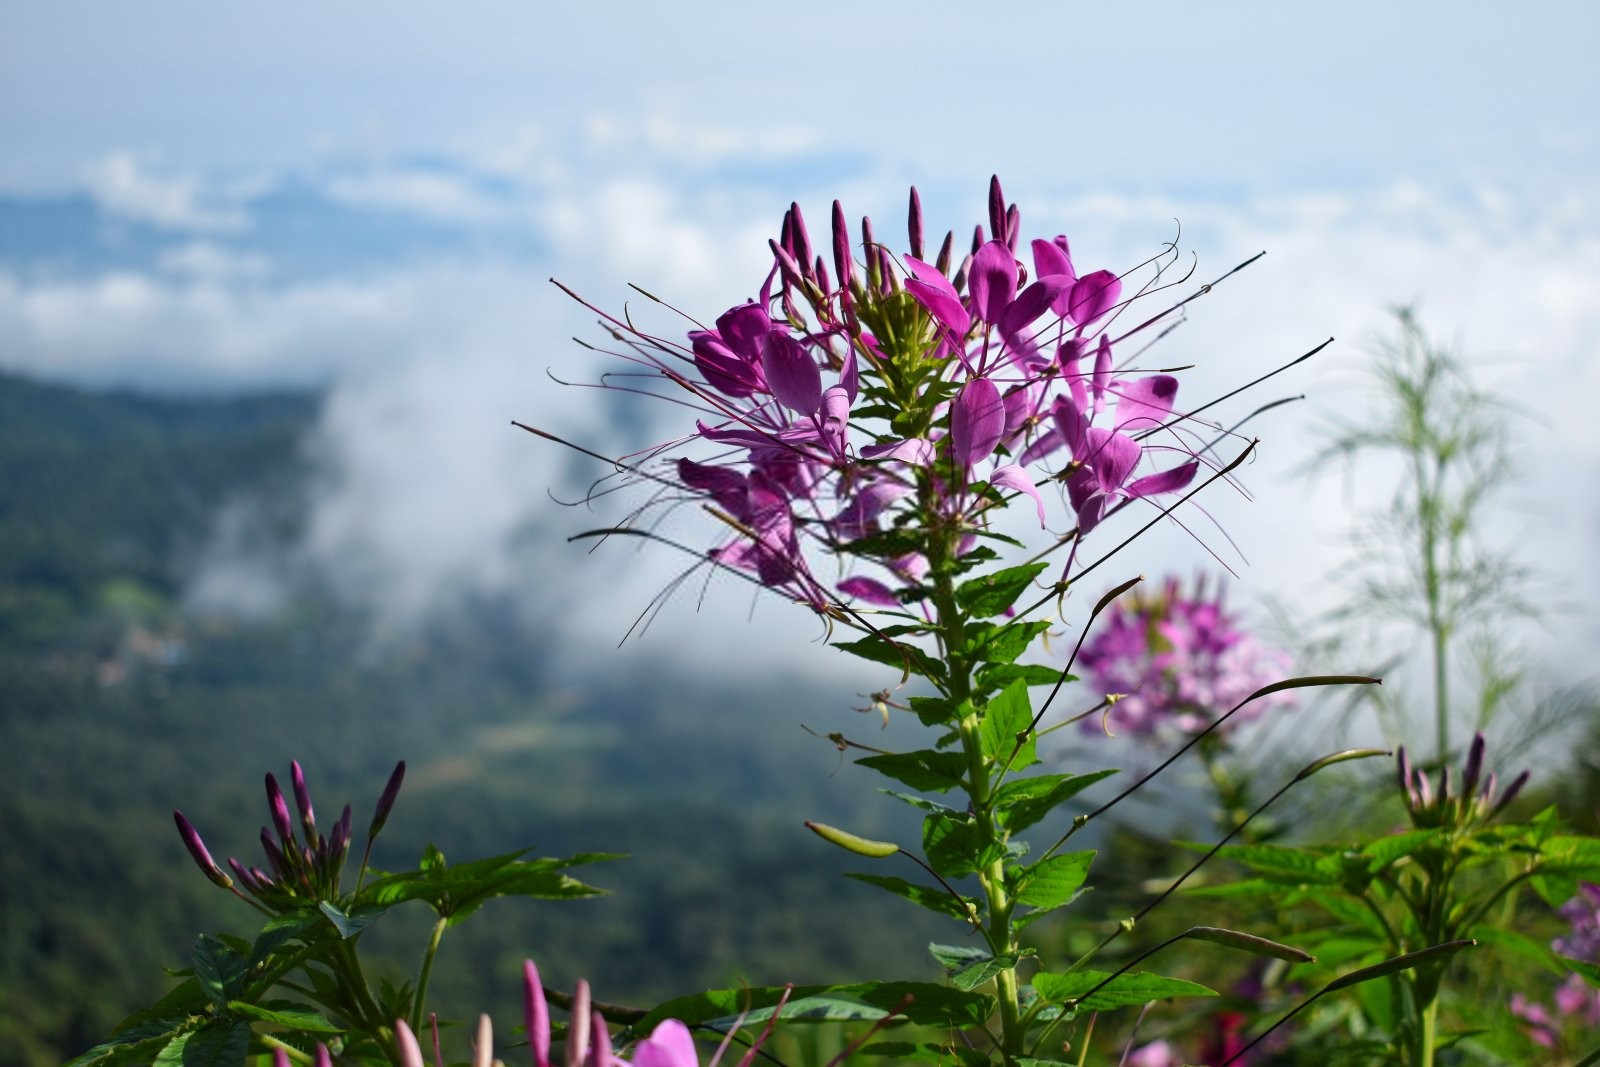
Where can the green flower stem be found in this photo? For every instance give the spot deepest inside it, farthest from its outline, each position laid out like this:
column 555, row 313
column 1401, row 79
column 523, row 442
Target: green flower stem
column 288, row 1050
column 348, row 966
column 1430, row 1018
column 952, row 627
column 425, row 972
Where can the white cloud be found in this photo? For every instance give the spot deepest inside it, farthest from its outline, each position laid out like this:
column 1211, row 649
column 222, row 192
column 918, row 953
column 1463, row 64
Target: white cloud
column 429, row 194
column 121, row 186
column 209, row 261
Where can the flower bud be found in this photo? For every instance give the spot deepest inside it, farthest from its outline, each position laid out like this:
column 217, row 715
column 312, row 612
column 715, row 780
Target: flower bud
column 841, row 247
column 302, row 799
column 280, row 1058
column 280, row 814
column 197, row 849
column 802, row 240
column 942, row 263
column 1444, row 784
column 914, row 223
column 535, row 1014
column 406, row 1042
column 339, row 839
column 1474, row 766
column 977, row 238
column 578, row 1026
column 997, row 210
column 1511, row 793
column 483, row 1043
column 787, row 266
column 819, row 271
column 324, row 1058
column 380, row 815
column 275, row 855
column 1013, row 227
column 599, row 1042
column 1403, row 763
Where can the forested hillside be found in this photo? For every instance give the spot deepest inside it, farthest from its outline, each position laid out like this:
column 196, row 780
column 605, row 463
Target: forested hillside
column 116, row 705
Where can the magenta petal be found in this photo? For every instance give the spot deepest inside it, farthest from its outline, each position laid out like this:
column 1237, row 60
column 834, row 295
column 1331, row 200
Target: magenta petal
column 669, row 1045
column 721, row 367
column 934, row 292
column 1144, row 404
column 869, row 589
column 836, row 415
column 1093, row 295
column 792, row 374
column 1112, row 456
column 1014, row 477
column 1020, row 402
column 1071, row 424
column 916, row 451
column 992, row 281
column 1032, row 302
column 743, row 328
column 850, row 375
column 1102, row 372
column 1164, row 481
column 725, row 485
column 977, row 419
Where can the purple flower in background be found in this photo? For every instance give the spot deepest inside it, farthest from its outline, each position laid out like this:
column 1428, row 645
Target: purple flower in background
column 1576, row 1004
column 1175, row 661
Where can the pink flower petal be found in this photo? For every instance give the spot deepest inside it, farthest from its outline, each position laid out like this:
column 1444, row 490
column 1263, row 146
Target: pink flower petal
column 992, row 281
column 669, row 1045
column 977, row 419
column 1164, row 481
column 1014, row 477
column 791, row 373
column 1144, row 404
column 869, row 589
column 1093, row 295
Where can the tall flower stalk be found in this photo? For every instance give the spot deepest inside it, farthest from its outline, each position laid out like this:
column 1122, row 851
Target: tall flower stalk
column 873, row 419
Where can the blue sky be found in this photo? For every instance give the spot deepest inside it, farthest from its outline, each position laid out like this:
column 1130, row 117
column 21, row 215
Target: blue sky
column 202, row 197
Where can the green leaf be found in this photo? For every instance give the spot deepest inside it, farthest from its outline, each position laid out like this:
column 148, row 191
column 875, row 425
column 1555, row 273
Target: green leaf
column 1281, row 863
column 902, row 657
column 219, row 969
column 990, row 643
column 999, row 675
column 1386, row 850
column 1588, row 970
column 954, row 958
column 291, row 1017
column 920, row 803
column 932, row 711
column 993, row 593
column 1006, row 718
column 1055, row 881
column 135, row 1048
column 978, row 972
column 352, row 923
column 1024, row 801
column 222, row 1044
column 184, row 999
column 933, row 1005
column 456, row 892
column 925, row 769
column 954, row 846
column 928, row 897
column 1134, row 987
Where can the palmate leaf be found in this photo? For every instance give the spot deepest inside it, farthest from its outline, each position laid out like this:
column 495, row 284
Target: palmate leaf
column 954, row 845
column 927, row 896
column 932, row 1005
column 286, row 1014
column 999, row 675
column 993, row 593
column 991, row 643
column 220, row 1044
column 1024, row 801
column 1133, row 988
column 137, row 1046
column 455, row 892
column 925, row 769
column 219, row 969
column 1006, row 718
column 906, row 658
column 1386, row 850
column 1054, row 881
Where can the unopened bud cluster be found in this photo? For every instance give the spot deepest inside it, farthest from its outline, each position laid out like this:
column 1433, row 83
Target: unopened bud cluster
column 1476, row 799
column 300, row 867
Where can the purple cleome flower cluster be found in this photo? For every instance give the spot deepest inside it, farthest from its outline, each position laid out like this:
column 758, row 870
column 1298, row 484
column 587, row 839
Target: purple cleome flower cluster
column 1174, row 661
column 842, row 403
column 1576, row 1003
column 300, row 870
